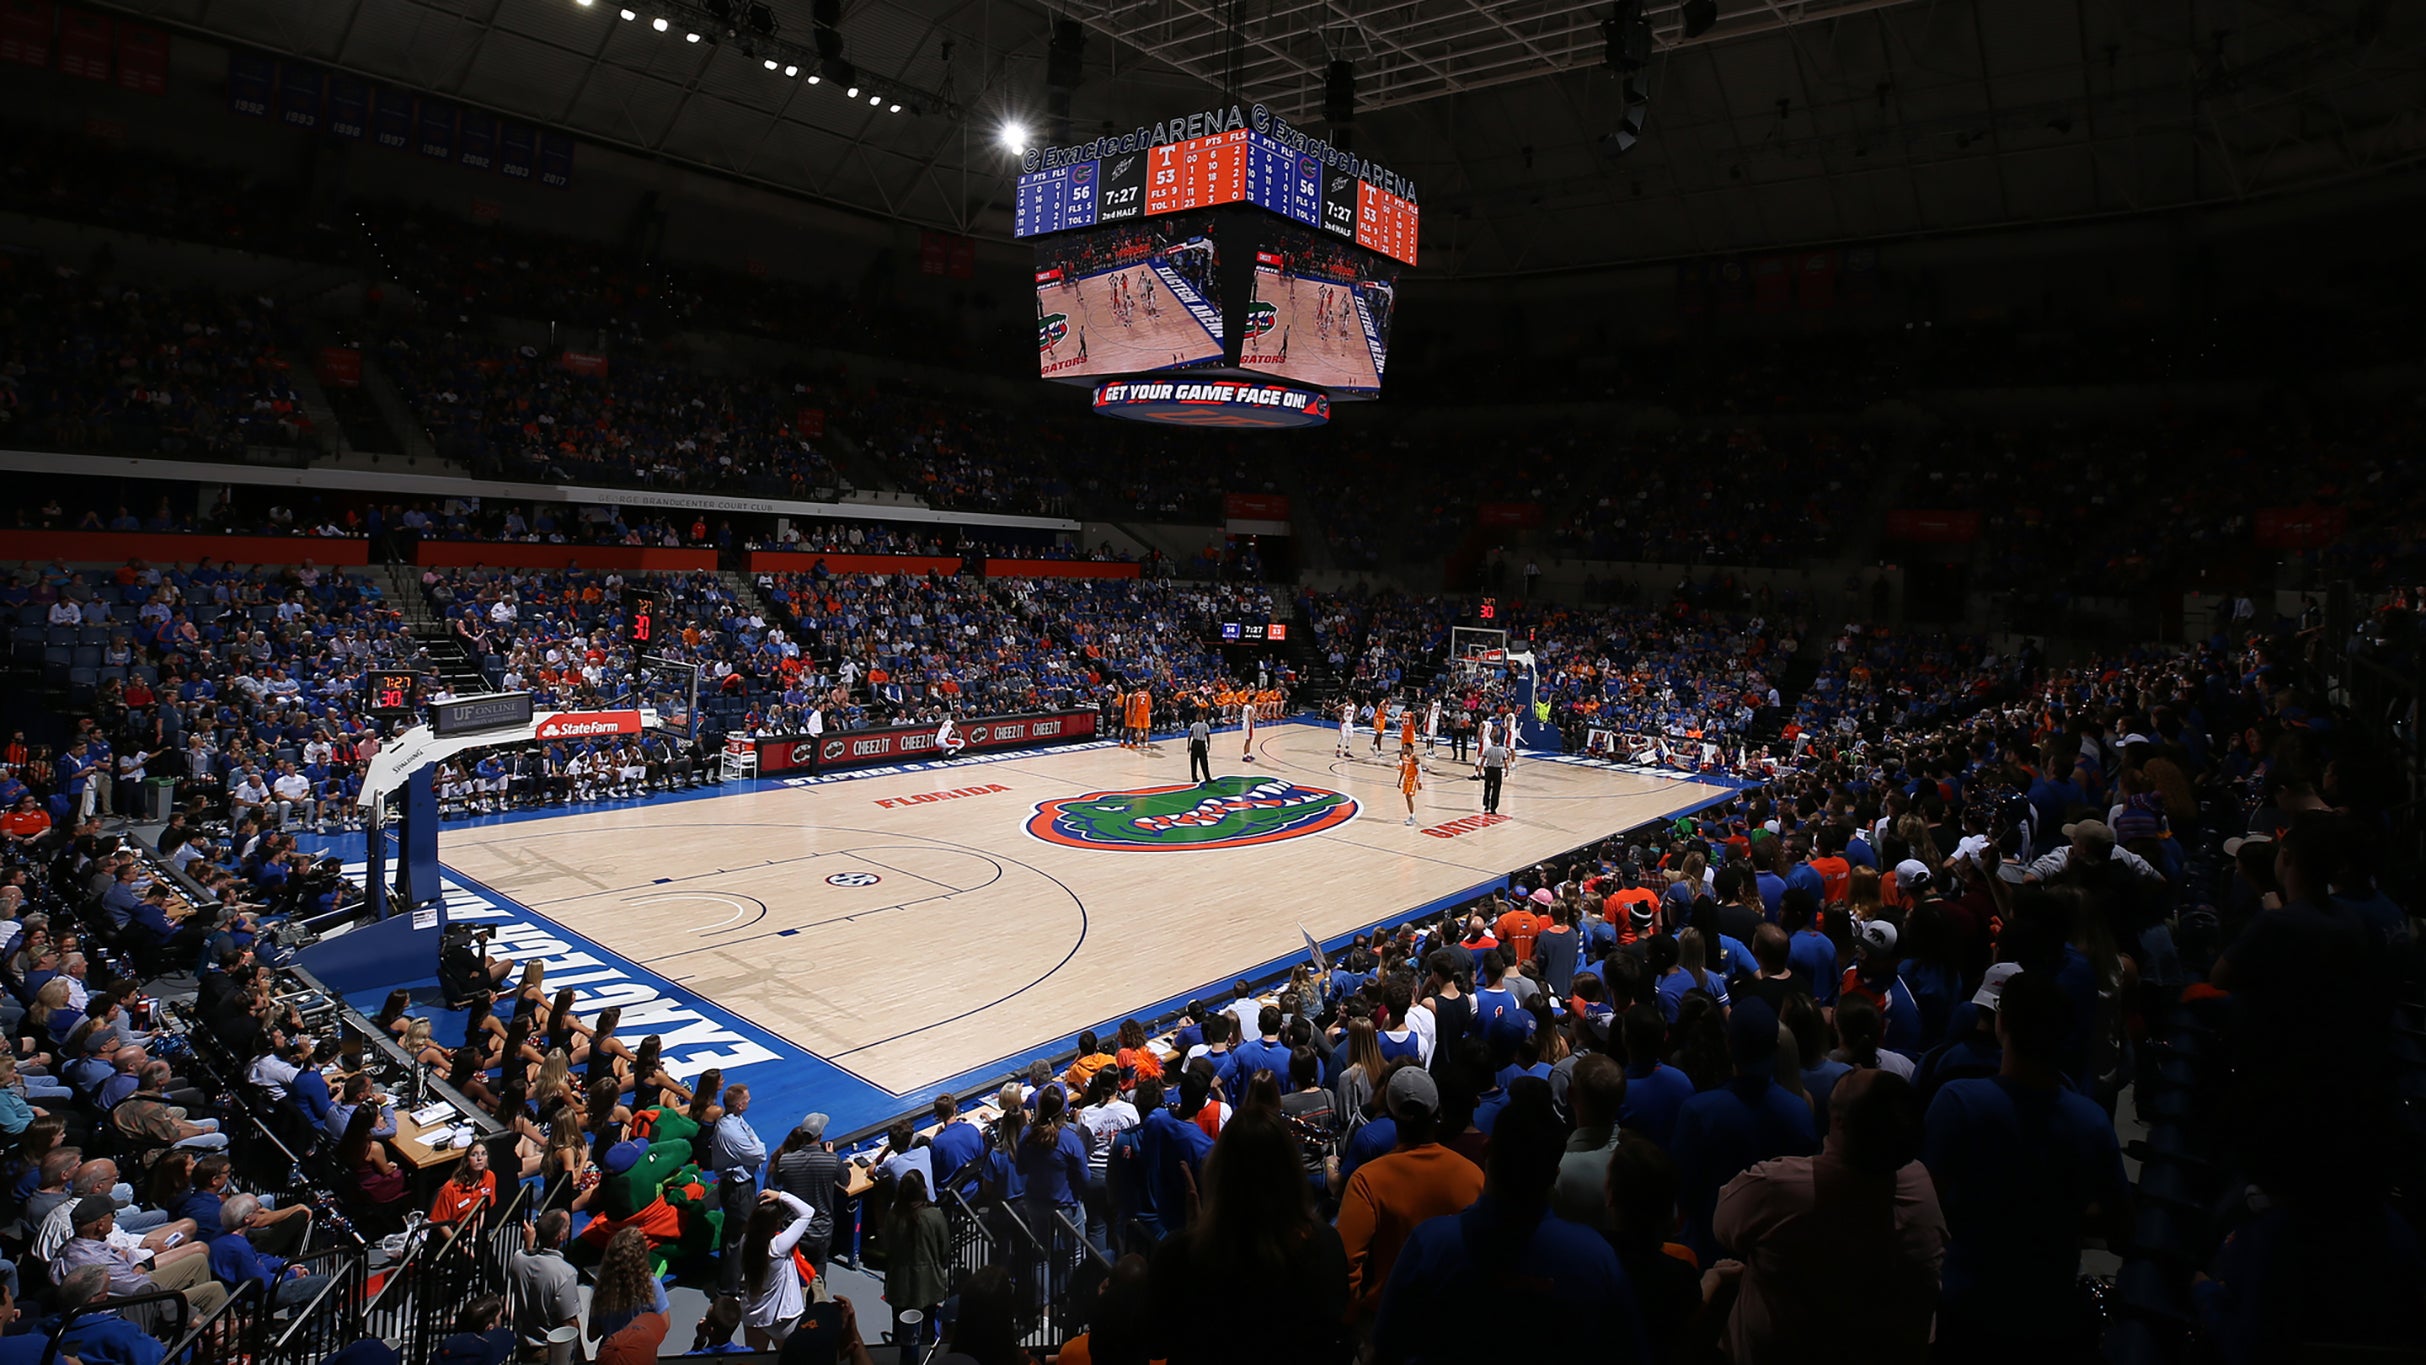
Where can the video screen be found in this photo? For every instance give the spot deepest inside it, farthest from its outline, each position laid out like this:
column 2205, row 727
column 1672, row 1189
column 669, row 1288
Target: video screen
column 1129, row 298
column 1321, row 311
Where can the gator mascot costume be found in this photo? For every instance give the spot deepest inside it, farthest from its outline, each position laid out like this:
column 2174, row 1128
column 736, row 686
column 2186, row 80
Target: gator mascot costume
column 651, row 1183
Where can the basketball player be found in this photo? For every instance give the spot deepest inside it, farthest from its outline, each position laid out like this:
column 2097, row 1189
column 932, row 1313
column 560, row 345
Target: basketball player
column 1246, row 728
column 1432, row 728
column 1347, row 730
column 1482, row 740
column 1406, row 729
column 1410, row 778
column 1120, row 714
column 947, row 738
column 1381, row 722
column 1141, row 714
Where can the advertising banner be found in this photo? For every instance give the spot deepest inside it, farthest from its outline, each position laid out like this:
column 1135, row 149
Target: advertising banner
column 910, row 743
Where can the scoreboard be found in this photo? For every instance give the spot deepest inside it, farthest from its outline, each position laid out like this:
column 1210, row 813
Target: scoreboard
column 1240, row 165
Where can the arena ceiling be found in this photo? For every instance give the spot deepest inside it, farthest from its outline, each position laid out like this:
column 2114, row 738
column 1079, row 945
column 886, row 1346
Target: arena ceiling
column 1785, row 122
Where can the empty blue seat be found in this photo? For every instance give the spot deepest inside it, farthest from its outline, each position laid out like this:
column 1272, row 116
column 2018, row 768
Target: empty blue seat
column 59, row 635
column 85, row 656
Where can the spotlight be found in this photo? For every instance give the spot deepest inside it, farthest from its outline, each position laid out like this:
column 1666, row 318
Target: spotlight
column 813, row 78
column 690, row 37
column 659, row 24
column 1699, row 15
column 894, row 110
column 1014, row 138
column 791, row 71
column 585, row 4
column 770, row 63
column 628, row 15
column 853, row 92
column 875, row 99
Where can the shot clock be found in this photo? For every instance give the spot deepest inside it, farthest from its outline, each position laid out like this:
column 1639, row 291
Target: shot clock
column 394, row 694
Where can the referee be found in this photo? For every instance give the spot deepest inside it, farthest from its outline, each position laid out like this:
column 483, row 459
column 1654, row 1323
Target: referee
column 1200, row 742
column 1495, row 769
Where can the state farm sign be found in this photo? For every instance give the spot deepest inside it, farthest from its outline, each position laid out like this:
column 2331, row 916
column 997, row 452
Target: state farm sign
column 587, row 724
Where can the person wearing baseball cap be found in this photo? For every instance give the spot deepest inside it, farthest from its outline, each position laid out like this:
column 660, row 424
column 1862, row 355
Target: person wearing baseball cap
column 2089, row 847
column 1873, row 974
column 1391, row 1195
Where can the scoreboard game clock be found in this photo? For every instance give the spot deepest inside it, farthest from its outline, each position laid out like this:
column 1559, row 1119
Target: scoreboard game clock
column 1257, row 159
column 393, row 694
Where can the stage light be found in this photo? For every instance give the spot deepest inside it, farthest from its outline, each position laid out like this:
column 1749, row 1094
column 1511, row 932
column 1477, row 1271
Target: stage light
column 813, row 78
column 875, row 99
column 659, row 24
column 1014, row 139
column 770, row 63
column 628, row 15
column 853, row 92
column 585, row 4
column 894, row 110
column 791, row 71
column 1699, row 15
column 690, row 37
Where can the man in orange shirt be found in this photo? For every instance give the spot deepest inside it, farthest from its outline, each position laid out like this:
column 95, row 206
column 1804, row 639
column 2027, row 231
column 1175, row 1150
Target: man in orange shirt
column 1619, row 908
column 1391, row 1194
column 1836, row 874
column 1520, row 925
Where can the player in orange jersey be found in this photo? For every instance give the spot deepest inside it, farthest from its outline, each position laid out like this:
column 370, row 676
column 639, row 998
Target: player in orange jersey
column 1141, row 714
column 1410, row 778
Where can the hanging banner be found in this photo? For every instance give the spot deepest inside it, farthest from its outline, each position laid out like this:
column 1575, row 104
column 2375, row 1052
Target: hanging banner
column 476, row 140
column 517, row 150
column 434, row 130
column 25, row 32
column 584, row 363
column 1732, row 281
column 251, row 78
column 299, row 91
column 1255, row 506
column 1692, row 289
column 393, row 113
column 142, row 59
column 84, row 45
column 349, row 106
column 810, row 423
column 1858, row 277
column 555, row 160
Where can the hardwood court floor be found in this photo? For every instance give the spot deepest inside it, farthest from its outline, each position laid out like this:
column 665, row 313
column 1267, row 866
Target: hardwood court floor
column 910, row 941
column 1170, row 336
column 1341, row 359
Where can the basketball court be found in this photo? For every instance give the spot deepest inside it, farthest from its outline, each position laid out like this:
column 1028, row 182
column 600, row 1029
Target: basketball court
column 1340, row 360
column 1159, row 340
column 947, row 921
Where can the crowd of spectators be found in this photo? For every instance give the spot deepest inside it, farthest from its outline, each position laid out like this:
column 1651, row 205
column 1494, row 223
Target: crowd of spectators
column 92, row 362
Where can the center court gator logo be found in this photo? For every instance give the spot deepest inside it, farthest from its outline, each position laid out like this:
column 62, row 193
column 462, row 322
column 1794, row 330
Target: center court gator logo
column 1051, row 328
column 1261, row 314
column 1227, row 812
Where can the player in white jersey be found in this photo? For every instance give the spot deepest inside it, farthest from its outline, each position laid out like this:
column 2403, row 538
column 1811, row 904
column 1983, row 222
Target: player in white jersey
column 1347, row 730
column 1432, row 728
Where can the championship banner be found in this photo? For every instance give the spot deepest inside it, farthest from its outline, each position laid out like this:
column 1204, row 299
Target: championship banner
column 517, row 150
column 141, row 59
column 349, row 106
column 85, row 44
column 434, row 131
column 555, row 160
column 476, row 140
column 393, row 113
column 250, row 78
column 25, row 32
column 909, row 743
column 299, row 90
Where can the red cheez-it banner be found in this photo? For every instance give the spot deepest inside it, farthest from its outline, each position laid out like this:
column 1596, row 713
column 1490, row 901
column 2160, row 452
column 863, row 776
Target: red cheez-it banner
column 909, row 743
